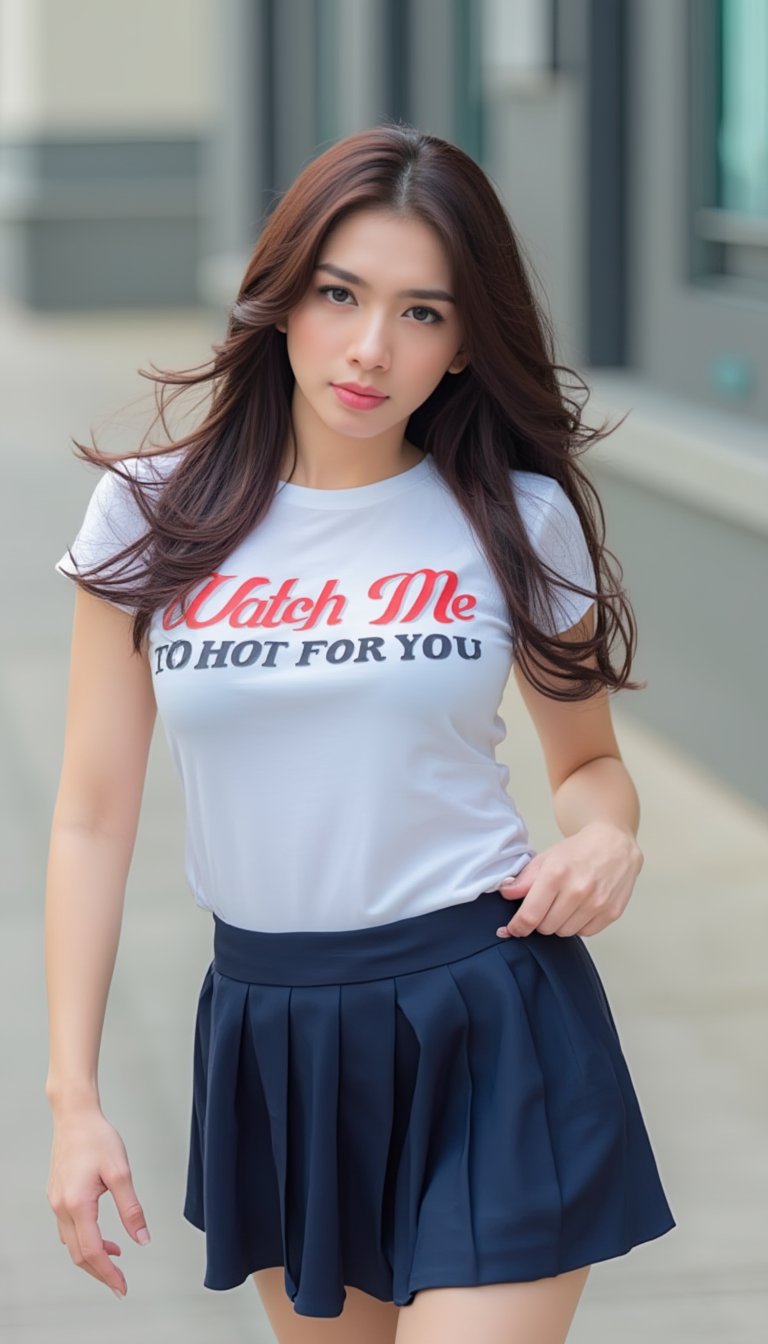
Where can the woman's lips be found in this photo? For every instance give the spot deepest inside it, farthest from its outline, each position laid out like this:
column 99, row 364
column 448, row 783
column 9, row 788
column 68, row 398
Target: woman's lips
column 355, row 400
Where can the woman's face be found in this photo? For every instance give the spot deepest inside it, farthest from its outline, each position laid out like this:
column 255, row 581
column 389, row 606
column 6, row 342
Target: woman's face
column 370, row 327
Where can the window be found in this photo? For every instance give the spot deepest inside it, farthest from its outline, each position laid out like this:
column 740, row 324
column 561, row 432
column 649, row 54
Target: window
column 730, row 124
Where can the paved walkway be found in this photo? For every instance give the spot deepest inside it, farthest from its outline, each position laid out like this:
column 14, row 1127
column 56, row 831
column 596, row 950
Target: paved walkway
column 684, row 968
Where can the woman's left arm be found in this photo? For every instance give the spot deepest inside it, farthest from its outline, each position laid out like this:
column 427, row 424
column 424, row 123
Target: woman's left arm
column 582, row 883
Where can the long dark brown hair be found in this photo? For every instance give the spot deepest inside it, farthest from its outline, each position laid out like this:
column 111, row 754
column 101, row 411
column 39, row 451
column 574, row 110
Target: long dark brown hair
column 506, row 409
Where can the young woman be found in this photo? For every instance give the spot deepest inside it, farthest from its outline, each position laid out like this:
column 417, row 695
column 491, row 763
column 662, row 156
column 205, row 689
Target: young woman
column 411, row 1112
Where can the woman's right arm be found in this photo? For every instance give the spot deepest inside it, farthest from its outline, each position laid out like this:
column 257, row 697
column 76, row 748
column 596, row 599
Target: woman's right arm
column 109, row 723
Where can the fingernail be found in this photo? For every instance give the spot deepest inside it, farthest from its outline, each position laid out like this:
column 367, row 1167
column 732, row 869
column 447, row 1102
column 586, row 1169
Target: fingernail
column 118, row 1294
column 503, row 933
column 142, row 1236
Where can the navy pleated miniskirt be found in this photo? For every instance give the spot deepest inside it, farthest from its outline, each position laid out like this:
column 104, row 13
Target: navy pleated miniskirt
column 416, row 1104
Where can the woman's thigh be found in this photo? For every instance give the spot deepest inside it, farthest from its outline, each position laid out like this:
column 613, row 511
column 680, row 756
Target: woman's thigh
column 364, row 1318
column 537, row 1312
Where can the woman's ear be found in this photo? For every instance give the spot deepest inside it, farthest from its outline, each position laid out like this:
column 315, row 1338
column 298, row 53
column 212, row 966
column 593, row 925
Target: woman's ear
column 280, row 326
column 458, row 363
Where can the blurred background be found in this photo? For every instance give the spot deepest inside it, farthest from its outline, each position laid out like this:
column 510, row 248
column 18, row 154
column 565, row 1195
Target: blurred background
column 142, row 145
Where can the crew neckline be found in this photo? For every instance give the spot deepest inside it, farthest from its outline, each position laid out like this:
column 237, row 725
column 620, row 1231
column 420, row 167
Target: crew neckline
column 355, row 496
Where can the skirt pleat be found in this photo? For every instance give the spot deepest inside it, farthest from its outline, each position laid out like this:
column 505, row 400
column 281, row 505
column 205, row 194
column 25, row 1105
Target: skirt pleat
column 470, row 1122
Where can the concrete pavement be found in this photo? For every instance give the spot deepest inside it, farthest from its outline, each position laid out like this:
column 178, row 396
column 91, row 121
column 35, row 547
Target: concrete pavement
column 684, row 968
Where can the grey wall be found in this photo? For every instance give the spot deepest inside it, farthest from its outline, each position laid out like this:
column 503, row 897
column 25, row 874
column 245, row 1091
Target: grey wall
column 104, row 109
column 93, row 222
column 697, row 583
column 534, row 153
column 680, row 325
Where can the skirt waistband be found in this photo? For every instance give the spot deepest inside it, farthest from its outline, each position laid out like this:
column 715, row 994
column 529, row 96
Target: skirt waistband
column 346, row 956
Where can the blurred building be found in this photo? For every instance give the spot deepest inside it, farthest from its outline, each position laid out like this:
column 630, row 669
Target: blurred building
column 142, row 145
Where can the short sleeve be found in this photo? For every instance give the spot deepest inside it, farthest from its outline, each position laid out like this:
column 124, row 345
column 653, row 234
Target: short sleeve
column 112, row 521
column 558, row 538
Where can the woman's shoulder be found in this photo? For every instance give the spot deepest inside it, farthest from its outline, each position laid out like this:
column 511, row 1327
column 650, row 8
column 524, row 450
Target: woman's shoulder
column 549, row 514
column 534, row 484
column 146, row 467
column 538, row 495
column 113, row 493
column 112, row 514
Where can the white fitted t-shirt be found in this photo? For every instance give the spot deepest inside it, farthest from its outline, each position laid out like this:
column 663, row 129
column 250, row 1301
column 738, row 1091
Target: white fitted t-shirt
column 331, row 699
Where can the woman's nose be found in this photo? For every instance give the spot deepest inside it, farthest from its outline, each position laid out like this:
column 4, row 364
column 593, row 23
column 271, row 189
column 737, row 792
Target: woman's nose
column 370, row 343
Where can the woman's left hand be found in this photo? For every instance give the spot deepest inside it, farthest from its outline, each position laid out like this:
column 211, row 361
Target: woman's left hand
column 577, row 886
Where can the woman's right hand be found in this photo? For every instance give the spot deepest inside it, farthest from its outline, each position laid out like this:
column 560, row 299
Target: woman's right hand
column 88, row 1157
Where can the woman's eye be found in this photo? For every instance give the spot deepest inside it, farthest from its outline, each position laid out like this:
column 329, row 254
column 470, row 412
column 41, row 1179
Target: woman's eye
column 339, row 289
column 437, row 316
column 334, row 289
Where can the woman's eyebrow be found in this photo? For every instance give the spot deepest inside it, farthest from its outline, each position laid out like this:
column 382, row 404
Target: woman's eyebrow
column 403, row 294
